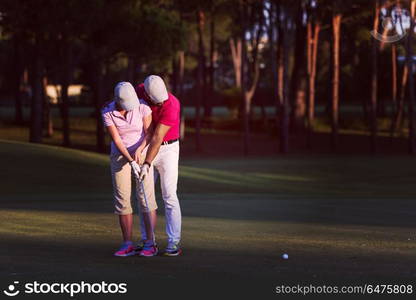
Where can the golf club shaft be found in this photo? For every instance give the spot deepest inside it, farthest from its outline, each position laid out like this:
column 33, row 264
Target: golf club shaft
column 148, row 212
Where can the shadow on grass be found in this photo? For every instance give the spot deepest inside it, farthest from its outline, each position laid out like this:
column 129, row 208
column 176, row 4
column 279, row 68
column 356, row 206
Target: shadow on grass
column 43, row 260
column 250, row 207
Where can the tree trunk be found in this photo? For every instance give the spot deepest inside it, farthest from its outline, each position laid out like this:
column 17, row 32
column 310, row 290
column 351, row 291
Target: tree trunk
column 98, row 100
column 299, row 106
column 174, row 85
column 374, row 79
column 181, row 72
column 297, row 88
column 273, row 53
column 279, row 76
column 47, row 120
column 313, row 41
column 66, row 79
column 394, row 78
column 250, row 71
column 202, row 61
column 18, row 69
column 336, row 26
column 208, row 109
column 284, row 125
column 280, row 61
column 236, row 49
column 398, row 117
column 246, row 107
column 200, row 79
column 411, row 102
column 35, row 135
column 394, row 71
column 309, row 47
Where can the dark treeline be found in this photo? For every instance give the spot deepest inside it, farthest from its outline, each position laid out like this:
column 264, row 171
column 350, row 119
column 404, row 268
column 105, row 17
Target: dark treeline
column 292, row 55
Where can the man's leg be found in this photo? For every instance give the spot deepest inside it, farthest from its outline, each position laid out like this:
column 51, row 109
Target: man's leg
column 147, row 201
column 142, row 214
column 167, row 165
column 149, row 220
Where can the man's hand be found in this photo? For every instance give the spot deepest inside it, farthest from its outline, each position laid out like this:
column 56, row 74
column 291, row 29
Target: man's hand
column 135, row 169
column 138, row 157
column 144, row 171
column 156, row 141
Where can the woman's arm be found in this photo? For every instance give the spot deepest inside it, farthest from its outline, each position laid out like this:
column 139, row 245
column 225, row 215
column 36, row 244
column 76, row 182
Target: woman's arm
column 112, row 130
column 147, row 128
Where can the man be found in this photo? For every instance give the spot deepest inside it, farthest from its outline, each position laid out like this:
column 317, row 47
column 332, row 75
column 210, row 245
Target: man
column 163, row 153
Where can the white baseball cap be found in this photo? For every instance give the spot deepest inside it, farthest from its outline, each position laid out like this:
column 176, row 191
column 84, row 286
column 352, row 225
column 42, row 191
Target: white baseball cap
column 126, row 96
column 156, row 89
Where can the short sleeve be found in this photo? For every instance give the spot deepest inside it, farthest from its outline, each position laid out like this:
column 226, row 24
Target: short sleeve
column 108, row 121
column 145, row 109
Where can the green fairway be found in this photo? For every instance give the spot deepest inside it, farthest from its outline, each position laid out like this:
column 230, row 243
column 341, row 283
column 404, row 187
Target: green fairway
column 338, row 218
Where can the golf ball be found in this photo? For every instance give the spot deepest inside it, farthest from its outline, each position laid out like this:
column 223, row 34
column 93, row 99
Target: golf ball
column 285, row 256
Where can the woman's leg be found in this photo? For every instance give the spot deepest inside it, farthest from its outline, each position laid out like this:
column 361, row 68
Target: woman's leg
column 121, row 177
column 126, row 224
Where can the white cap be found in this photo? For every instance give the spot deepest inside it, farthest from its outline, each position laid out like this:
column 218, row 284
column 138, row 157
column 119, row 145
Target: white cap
column 156, row 89
column 126, row 96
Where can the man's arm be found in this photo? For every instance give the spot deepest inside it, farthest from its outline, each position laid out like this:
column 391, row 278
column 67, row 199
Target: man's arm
column 156, row 141
column 147, row 128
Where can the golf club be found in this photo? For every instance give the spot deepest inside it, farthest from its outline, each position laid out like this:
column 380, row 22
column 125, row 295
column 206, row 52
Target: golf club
column 148, row 212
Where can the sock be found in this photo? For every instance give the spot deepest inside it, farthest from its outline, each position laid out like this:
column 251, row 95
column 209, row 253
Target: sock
column 128, row 243
column 148, row 244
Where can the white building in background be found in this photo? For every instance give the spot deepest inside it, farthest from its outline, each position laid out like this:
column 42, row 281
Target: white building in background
column 54, row 91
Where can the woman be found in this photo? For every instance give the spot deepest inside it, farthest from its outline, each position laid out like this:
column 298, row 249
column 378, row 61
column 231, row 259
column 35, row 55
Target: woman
column 127, row 120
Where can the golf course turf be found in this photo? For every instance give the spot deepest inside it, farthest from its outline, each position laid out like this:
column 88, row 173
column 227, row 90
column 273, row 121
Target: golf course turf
column 340, row 219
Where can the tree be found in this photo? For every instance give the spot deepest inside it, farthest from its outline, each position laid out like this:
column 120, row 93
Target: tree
column 313, row 30
column 212, row 59
column 18, row 62
column 409, row 62
column 287, row 11
column 70, row 25
column 374, row 80
column 236, row 49
column 298, row 76
column 120, row 30
column 336, row 32
column 21, row 19
column 252, row 23
column 36, row 117
column 398, row 116
column 201, row 83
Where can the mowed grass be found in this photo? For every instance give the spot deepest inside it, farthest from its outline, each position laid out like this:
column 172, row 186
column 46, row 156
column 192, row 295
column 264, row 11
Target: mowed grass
column 339, row 218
